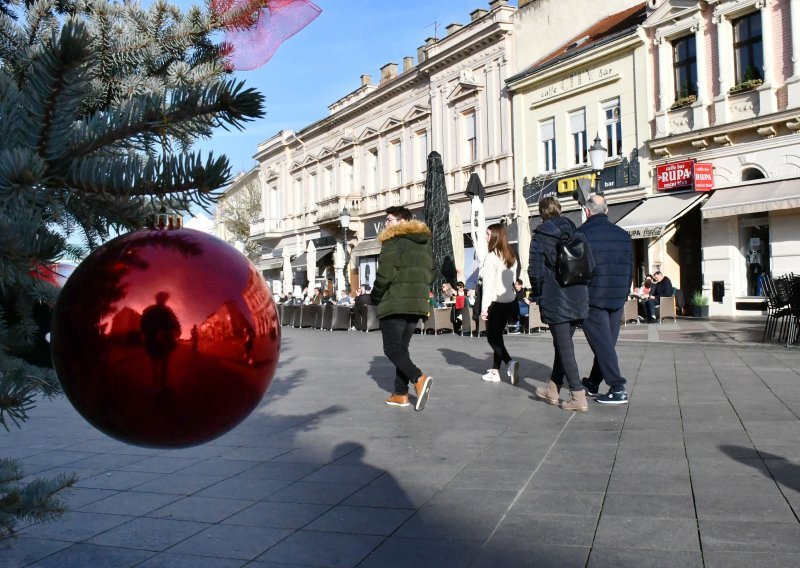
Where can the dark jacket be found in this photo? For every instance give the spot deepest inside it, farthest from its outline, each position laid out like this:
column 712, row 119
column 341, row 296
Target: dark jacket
column 662, row 288
column 613, row 256
column 557, row 304
column 405, row 270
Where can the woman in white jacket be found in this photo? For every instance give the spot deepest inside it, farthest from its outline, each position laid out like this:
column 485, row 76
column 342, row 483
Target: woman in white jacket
column 499, row 272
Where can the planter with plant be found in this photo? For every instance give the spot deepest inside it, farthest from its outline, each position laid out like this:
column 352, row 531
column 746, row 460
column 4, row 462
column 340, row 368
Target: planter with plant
column 699, row 305
column 750, row 81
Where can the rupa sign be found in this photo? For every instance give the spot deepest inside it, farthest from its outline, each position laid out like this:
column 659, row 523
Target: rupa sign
column 685, row 174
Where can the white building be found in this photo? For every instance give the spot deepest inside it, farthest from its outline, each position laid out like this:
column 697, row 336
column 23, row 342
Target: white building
column 726, row 92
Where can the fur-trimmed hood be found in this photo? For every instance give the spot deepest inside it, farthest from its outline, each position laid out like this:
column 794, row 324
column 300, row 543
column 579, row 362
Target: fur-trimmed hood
column 413, row 229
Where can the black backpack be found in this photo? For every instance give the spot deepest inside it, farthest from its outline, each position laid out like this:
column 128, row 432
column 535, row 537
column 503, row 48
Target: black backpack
column 574, row 260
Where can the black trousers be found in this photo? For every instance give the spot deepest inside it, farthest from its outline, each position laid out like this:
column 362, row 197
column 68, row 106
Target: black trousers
column 495, row 324
column 601, row 329
column 564, row 363
column 397, row 332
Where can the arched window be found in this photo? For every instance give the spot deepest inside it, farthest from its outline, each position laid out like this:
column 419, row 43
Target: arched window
column 751, row 174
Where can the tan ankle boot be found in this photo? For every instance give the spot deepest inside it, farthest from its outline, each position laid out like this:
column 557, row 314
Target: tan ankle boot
column 548, row 393
column 577, row 401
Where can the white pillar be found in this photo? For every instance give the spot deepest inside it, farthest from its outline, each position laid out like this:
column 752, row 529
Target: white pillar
column 767, row 100
column 793, row 83
column 700, row 116
column 725, row 64
column 488, row 125
column 665, row 90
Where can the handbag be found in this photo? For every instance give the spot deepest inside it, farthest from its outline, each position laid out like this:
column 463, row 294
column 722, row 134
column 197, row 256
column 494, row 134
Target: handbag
column 574, row 261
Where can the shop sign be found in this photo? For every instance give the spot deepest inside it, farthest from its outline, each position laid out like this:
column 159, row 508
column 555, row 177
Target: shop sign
column 703, row 176
column 651, row 232
column 675, row 175
column 375, row 225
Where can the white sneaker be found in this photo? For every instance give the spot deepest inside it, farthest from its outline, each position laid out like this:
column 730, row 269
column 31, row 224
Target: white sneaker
column 513, row 371
column 491, row 377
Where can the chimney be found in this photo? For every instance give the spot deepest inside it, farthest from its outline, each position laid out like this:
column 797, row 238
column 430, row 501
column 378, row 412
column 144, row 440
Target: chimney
column 453, row 28
column 523, row 3
column 421, row 53
column 408, row 64
column 497, row 3
column 430, row 41
column 365, row 80
column 388, row 72
column 477, row 14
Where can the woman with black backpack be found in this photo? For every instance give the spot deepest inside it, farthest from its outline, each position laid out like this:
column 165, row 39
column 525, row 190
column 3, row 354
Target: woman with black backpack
column 562, row 306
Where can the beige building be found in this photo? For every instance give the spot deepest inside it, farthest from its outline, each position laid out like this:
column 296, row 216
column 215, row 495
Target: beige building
column 590, row 86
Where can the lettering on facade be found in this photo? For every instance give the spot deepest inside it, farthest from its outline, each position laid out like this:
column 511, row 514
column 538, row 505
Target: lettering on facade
column 580, row 78
column 645, row 232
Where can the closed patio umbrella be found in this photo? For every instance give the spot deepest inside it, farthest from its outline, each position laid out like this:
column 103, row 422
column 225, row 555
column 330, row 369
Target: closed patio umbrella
column 456, row 232
column 437, row 216
column 311, row 267
column 287, row 271
column 477, row 217
column 524, row 239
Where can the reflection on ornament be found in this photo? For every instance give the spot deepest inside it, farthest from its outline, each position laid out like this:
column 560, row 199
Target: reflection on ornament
column 165, row 338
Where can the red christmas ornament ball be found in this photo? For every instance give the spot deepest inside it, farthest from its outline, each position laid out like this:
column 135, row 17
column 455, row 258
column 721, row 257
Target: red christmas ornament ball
column 165, row 338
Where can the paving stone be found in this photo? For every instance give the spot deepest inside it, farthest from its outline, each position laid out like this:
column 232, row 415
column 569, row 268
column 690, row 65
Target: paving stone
column 82, row 555
column 149, row 534
column 649, row 533
column 648, row 505
column 169, row 560
column 742, row 559
column 559, row 530
column 602, row 557
column 550, row 502
column 277, row 515
column 525, row 554
column 240, row 487
column 397, row 552
column 650, row 483
column 75, row 526
column 133, row 503
column 360, row 520
column 22, row 551
column 749, row 536
column 201, row 509
column 322, row 549
column 228, row 541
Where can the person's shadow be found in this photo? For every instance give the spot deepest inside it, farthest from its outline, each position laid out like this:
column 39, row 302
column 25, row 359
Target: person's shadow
column 783, row 471
column 530, row 370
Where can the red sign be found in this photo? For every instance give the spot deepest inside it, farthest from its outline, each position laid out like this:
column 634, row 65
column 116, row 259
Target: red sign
column 703, row 177
column 675, row 175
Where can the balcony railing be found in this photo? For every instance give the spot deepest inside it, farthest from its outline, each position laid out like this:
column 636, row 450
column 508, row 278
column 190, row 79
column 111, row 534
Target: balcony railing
column 330, row 208
column 265, row 228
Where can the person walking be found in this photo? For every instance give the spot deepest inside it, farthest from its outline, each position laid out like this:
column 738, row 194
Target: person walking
column 562, row 307
column 608, row 291
column 401, row 291
column 499, row 270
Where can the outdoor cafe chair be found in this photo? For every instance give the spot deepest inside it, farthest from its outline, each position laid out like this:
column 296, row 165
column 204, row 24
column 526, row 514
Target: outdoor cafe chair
column 630, row 311
column 327, row 316
column 341, row 317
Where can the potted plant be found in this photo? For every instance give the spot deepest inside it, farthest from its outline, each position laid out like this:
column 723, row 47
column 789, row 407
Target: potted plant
column 685, row 97
column 699, row 305
column 750, row 81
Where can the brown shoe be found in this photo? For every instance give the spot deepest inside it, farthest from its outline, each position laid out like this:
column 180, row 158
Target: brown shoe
column 577, row 401
column 548, row 393
column 423, row 388
column 398, row 400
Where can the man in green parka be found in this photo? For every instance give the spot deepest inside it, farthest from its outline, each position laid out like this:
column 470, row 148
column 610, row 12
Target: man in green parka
column 401, row 290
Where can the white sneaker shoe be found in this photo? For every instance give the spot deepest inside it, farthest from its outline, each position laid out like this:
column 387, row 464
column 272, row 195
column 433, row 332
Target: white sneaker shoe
column 513, row 371
column 491, row 377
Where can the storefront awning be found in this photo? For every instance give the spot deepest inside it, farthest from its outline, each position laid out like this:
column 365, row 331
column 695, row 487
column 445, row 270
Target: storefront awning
column 367, row 247
column 323, row 252
column 271, row 263
column 753, row 198
column 657, row 213
column 300, row 261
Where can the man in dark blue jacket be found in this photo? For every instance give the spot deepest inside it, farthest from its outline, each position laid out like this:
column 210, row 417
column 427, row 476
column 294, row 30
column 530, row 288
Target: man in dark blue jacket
column 608, row 291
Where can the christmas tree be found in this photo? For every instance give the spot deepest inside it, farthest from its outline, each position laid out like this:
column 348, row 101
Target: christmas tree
column 100, row 104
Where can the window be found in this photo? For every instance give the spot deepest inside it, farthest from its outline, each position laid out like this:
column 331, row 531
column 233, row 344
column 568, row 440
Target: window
column 328, row 189
column 470, row 137
column 613, row 129
column 422, row 151
column 347, row 176
column 373, row 170
column 297, row 199
column 748, row 48
column 684, row 59
column 577, row 127
column 397, row 165
column 314, row 191
column 548, row 132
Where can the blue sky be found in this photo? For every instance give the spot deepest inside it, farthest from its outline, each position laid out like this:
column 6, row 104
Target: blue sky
column 325, row 60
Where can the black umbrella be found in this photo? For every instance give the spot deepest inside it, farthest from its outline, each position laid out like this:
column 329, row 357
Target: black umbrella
column 437, row 217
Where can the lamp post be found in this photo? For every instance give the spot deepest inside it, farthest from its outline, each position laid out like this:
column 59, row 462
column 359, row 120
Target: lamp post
column 344, row 219
column 597, row 156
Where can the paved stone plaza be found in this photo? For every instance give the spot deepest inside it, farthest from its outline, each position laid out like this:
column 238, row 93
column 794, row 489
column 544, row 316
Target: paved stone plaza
column 702, row 468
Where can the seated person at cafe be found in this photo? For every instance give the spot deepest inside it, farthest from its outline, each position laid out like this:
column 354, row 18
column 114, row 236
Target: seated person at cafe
column 643, row 291
column 460, row 301
column 661, row 289
column 523, row 308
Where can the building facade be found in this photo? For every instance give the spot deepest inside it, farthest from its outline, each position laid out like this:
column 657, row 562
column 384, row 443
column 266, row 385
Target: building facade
column 725, row 114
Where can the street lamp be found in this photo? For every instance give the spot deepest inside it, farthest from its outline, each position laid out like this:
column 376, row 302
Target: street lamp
column 597, row 156
column 344, row 219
